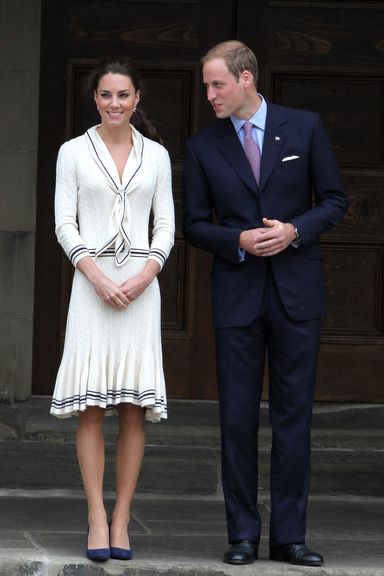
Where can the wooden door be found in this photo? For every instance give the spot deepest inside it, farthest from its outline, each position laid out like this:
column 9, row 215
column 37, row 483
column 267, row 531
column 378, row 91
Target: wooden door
column 316, row 54
column 328, row 56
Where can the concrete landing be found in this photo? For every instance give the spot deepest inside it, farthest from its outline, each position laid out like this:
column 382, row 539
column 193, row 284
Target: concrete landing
column 43, row 534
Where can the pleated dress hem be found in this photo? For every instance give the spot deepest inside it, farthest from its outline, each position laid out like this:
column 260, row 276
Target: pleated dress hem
column 155, row 410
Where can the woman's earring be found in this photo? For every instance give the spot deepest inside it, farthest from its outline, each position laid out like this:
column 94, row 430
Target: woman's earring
column 97, row 107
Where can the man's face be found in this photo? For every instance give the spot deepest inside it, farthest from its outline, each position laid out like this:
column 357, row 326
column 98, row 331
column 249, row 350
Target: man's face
column 224, row 91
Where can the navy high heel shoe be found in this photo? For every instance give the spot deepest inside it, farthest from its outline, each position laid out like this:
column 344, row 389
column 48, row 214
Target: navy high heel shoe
column 97, row 554
column 119, row 553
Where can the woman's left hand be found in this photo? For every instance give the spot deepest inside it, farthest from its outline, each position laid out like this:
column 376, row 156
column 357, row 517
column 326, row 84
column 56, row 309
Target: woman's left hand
column 133, row 287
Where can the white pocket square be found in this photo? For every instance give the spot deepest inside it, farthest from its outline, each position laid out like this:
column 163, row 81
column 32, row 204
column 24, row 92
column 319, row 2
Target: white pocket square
column 288, row 158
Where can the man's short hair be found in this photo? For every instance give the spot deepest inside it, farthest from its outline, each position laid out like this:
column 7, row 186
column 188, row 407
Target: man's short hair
column 237, row 57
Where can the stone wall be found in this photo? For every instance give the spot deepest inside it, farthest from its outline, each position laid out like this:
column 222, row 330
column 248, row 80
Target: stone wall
column 19, row 83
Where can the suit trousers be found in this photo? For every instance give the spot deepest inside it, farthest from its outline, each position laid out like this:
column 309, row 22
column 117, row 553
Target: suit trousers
column 291, row 349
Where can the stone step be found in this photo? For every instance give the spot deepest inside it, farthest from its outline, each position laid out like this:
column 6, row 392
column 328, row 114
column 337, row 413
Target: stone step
column 44, row 465
column 185, row 469
column 183, row 454
column 197, row 423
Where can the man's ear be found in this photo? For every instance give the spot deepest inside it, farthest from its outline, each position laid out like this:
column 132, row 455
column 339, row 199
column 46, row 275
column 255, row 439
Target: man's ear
column 246, row 78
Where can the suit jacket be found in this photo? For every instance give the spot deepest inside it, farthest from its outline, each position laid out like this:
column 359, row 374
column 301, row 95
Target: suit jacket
column 299, row 183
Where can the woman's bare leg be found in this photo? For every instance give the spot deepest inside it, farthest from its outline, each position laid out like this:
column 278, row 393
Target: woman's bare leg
column 129, row 456
column 91, row 456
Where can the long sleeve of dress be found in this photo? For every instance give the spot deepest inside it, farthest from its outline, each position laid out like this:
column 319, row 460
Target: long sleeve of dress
column 66, row 200
column 163, row 212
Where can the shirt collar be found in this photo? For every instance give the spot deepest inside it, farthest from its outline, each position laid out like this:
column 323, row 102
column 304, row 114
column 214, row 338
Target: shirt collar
column 258, row 119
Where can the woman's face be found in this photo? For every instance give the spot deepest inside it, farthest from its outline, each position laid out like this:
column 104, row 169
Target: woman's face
column 116, row 97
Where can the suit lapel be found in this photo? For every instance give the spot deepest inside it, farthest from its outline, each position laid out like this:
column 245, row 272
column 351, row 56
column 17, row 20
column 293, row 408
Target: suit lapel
column 230, row 146
column 274, row 137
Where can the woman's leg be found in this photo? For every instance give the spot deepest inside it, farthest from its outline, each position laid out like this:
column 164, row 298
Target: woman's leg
column 91, row 456
column 129, row 456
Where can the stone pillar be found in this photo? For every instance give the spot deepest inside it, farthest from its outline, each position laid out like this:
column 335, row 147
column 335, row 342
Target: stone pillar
column 19, row 86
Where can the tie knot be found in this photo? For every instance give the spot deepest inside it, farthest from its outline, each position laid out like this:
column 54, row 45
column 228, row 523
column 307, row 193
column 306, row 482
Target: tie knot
column 247, row 126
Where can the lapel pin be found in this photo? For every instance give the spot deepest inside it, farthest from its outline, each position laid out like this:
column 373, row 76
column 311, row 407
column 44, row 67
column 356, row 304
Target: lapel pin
column 277, row 138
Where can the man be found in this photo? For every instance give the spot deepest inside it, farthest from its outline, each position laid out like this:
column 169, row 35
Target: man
column 258, row 197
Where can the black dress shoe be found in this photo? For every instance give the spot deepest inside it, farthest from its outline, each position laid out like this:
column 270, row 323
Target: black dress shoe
column 241, row 552
column 296, row 554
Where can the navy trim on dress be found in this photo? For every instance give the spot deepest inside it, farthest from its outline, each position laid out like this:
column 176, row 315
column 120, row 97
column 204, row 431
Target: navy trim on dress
column 110, row 399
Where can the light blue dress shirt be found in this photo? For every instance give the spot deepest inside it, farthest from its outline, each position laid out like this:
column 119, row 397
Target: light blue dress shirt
column 258, row 120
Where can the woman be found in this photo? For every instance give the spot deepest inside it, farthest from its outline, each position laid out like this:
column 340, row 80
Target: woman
column 109, row 181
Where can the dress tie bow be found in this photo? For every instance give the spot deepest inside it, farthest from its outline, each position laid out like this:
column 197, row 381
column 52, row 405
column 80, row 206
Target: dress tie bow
column 119, row 225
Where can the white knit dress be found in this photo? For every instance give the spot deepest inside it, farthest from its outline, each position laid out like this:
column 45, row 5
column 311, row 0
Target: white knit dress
column 112, row 356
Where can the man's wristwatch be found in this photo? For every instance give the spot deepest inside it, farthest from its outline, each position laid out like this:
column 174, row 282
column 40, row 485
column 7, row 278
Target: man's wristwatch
column 297, row 239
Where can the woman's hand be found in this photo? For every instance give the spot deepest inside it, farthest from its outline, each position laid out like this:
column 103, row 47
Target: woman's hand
column 110, row 293
column 105, row 288
column 133, row 287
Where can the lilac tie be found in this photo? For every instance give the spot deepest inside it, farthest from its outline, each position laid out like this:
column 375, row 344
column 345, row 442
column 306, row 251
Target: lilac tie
column 252, row 151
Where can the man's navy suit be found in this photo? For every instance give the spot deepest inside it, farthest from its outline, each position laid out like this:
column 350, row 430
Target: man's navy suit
column 265, row 306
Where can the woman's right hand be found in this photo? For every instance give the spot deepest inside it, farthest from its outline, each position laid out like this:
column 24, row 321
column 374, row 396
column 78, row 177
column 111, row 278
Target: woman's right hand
column 110, row 293
column 105, row 288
